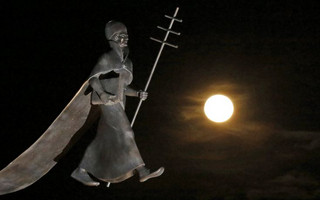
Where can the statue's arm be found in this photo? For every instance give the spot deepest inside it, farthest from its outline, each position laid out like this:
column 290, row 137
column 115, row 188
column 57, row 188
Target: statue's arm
column 95, row 84
column 129, row 91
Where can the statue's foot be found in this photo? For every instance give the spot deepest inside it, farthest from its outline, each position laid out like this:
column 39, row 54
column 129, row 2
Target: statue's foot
column 145, row 176
column 82, row 176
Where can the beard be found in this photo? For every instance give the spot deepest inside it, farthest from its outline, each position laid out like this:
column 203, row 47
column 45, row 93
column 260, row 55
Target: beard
column 124, row 51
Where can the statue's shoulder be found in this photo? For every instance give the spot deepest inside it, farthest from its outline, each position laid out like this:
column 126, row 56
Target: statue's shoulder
column 104, row 59
column 103, row 65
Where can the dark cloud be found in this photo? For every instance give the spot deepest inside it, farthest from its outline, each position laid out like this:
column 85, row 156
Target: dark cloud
column 257, row 157
column 292, row 185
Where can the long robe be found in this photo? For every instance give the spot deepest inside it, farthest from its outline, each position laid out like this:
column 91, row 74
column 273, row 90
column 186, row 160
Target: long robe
column 113, row 155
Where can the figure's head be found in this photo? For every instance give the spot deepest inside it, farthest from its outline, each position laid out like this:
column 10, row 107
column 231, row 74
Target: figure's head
column 117, row 32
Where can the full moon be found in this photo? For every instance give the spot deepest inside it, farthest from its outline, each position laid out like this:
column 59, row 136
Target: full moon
column 218, row 108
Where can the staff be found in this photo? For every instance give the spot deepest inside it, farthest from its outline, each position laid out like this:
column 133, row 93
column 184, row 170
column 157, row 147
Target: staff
column 163, row 43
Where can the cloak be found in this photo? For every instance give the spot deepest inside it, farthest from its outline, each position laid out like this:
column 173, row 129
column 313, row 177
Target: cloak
column 44, row 154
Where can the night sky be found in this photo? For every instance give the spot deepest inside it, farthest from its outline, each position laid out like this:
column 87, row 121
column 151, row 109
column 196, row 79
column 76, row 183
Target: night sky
column 264, row 55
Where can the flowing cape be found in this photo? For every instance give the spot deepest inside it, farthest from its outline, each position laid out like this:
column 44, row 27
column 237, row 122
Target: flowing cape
column 42, row 156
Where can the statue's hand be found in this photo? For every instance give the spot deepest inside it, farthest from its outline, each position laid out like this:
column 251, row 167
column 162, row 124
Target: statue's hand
column 105, row 98
column 143, row 95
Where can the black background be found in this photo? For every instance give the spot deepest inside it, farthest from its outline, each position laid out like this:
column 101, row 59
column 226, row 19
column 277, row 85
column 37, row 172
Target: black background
column 263, row 54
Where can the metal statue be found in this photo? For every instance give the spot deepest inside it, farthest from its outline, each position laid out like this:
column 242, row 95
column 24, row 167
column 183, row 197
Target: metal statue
column 113, row 155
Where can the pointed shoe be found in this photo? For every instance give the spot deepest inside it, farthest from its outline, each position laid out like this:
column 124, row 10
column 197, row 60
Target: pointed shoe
column 152, row 175
column 82, row 176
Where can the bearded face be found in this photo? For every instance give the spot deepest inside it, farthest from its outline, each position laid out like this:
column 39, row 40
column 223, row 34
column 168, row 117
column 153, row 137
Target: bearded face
column 121, row 39
column 119, row 42
column 116, row 33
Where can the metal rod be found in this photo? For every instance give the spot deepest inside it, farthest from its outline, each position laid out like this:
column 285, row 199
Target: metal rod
column 164, row 29
column 178, row 20
column 154, row 65
column 166, row 43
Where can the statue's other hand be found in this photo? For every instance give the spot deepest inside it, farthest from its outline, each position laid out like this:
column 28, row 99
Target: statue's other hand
column 112, row 97
column 107, row 97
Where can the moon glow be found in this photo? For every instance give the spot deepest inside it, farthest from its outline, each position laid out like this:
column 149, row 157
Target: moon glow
column 218, row 108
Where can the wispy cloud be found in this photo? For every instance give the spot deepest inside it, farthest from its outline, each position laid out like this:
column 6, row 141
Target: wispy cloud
column 266, row 162
column 291, row 185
